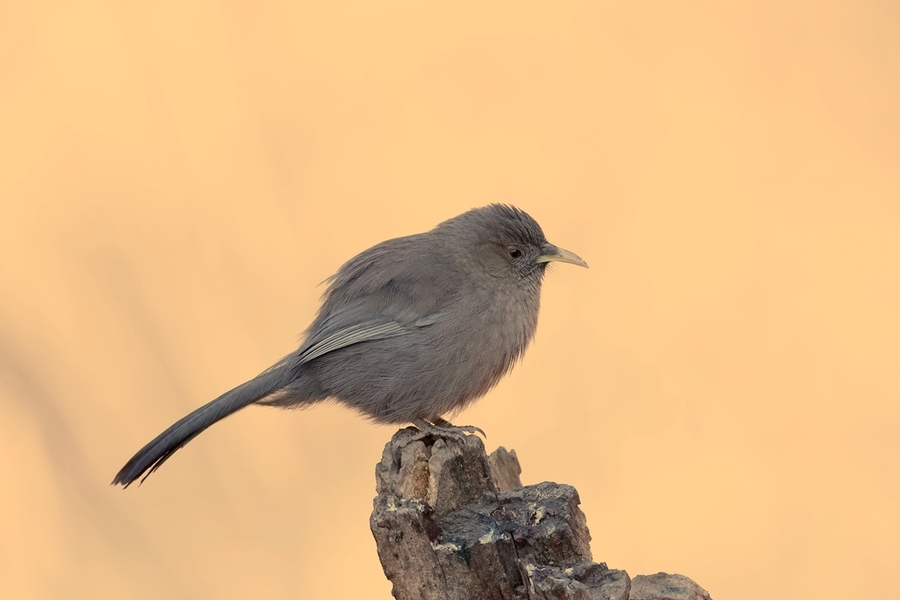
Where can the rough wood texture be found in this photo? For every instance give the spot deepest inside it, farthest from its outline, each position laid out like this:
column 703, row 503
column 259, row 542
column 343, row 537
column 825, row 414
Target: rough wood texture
column 452, row 523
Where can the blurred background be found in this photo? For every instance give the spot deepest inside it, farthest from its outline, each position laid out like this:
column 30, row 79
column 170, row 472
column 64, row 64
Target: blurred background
column 722, row 386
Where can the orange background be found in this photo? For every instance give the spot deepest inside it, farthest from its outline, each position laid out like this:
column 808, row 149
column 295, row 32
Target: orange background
column 722, row 386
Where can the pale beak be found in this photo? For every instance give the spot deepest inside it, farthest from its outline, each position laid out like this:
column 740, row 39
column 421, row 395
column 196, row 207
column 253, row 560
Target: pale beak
column 551, row 253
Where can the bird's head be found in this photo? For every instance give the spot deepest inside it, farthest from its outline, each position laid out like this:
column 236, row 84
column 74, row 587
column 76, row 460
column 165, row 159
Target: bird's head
column 507, row 242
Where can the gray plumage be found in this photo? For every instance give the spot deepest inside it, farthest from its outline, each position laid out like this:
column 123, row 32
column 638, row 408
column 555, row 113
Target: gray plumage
column 409, row 330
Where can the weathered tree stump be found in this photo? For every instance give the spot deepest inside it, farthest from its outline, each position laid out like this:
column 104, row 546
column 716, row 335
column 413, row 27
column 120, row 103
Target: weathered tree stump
column 452, row 523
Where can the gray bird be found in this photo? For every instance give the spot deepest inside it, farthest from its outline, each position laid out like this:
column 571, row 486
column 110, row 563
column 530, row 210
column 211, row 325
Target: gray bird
column 409, row 330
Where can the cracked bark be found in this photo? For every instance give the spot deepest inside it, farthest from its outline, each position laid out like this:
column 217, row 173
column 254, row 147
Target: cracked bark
column 452, row 523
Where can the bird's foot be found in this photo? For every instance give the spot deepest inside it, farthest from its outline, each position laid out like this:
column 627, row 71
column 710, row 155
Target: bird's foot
column 439, row 422
column 432, row 431
column 441, row 428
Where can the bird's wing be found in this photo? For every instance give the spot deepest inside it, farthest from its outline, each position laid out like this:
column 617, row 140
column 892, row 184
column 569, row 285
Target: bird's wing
column 381, row 294
column 362, row 332
column 341, row 332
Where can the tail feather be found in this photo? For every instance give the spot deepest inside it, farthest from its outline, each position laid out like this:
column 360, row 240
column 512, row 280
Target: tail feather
column 153, row 455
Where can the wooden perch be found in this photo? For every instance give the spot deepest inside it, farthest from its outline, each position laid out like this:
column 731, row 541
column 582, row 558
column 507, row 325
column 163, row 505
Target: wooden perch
column 452, row 523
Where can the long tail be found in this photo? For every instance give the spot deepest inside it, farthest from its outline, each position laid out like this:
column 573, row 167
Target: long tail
column 153, row 455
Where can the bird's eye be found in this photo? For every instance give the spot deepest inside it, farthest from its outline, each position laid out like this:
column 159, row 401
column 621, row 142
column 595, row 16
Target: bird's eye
column 514, row 252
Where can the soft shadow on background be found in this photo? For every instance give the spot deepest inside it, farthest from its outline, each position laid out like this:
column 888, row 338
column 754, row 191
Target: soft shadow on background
column 721, row 386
